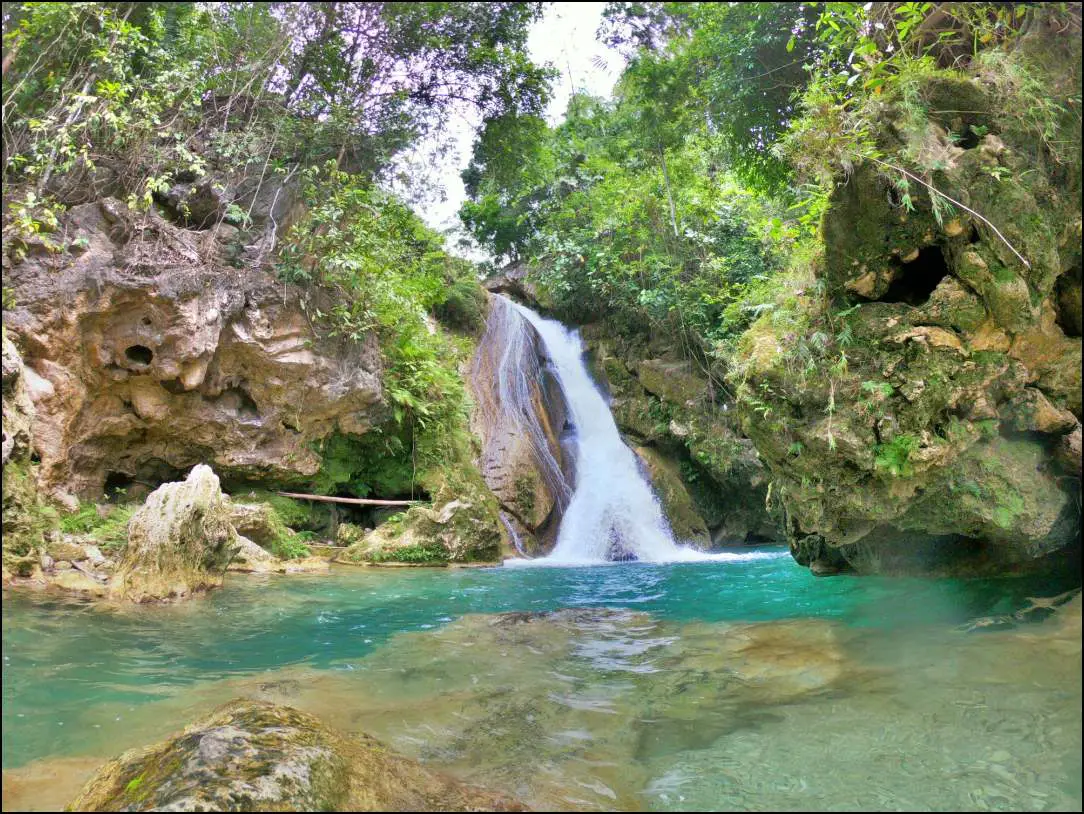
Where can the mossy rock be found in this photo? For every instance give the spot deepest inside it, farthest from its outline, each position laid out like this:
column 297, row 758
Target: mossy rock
column 28, row 519
column 179, row 543
column 261, row 523
column 297, row 514
column 256, row 756
column 674, row 381
column 685, row 521
column 459, row 532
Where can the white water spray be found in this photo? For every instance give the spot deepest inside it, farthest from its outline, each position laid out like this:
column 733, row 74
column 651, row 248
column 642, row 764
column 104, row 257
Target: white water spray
column 613, row 512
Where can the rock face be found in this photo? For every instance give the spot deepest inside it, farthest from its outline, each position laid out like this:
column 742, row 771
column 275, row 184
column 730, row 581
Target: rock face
column 27, row 520
column 519, row 414
column 687, row 524
column 933, row 429
column 18, row 407
column 179, row 543
column 163, row 356
column 708, row 476
column 256, row 756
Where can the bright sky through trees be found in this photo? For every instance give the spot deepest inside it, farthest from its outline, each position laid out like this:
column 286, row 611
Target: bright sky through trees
column 565, row 38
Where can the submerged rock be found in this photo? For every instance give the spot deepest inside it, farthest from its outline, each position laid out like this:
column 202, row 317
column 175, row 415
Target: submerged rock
column 256, row 756
column 179, row 543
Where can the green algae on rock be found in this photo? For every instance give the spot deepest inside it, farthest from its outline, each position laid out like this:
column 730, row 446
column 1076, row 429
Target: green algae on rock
column 256, row 756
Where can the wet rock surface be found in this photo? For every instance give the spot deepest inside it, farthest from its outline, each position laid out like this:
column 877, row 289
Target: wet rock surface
column 520, row 415
column 257, row 756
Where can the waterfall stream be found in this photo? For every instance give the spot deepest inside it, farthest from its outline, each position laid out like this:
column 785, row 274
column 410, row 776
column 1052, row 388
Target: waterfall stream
column 613, row 513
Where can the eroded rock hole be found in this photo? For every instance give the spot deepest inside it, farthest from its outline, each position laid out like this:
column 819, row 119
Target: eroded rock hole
column 238, row 401
column 969, row 140
column 139, row 354
column 915, row 281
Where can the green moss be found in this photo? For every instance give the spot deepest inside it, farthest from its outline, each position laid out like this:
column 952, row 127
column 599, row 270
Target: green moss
column 131, row 789
column 894, row 457
column 1006, row 512
column 294, row 513
column 427, row 554
column 26, row 517
column 525, row 494
column 378, row 462
column 290, row 547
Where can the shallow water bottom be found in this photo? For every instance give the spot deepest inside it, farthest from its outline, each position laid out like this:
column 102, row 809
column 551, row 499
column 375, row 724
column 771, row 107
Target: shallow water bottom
column 595, row 708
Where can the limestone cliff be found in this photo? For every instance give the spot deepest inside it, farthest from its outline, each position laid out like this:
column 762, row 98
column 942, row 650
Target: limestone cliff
column 520, row 415
column 918, row 406
column 146, row 352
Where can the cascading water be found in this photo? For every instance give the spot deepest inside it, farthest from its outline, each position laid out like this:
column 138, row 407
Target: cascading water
column 613, row 512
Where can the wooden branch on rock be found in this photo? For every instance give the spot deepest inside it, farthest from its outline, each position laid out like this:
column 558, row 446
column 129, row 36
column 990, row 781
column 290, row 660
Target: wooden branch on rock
column 357, row 501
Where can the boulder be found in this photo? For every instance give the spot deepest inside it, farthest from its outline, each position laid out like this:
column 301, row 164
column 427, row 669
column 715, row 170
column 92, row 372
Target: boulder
column 251, row 558
column 179, row 543
column 257, row 756
column 259, row 522
column 459, row 531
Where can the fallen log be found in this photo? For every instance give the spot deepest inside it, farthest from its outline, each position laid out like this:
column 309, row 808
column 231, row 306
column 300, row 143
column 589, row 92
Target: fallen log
column 357, row 501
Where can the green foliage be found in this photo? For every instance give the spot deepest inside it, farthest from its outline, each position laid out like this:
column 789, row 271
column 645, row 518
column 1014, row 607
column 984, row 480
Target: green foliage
column 107, row 524
column 378, row 462
column 128, row 99
column 464, row 307
column 432, row 553
column 26, row 516
column 290, row 547
column 376, row 269
column 894, row 457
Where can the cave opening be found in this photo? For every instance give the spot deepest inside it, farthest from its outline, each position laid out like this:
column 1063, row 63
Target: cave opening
column 117, row 485
column 139, row 354
column 916, row 281
column 1067, row 301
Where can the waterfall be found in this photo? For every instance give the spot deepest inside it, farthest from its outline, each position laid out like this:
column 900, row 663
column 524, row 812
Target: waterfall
column 613, row 513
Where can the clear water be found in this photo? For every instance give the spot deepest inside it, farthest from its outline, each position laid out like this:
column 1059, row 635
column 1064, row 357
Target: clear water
column 745, row 684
